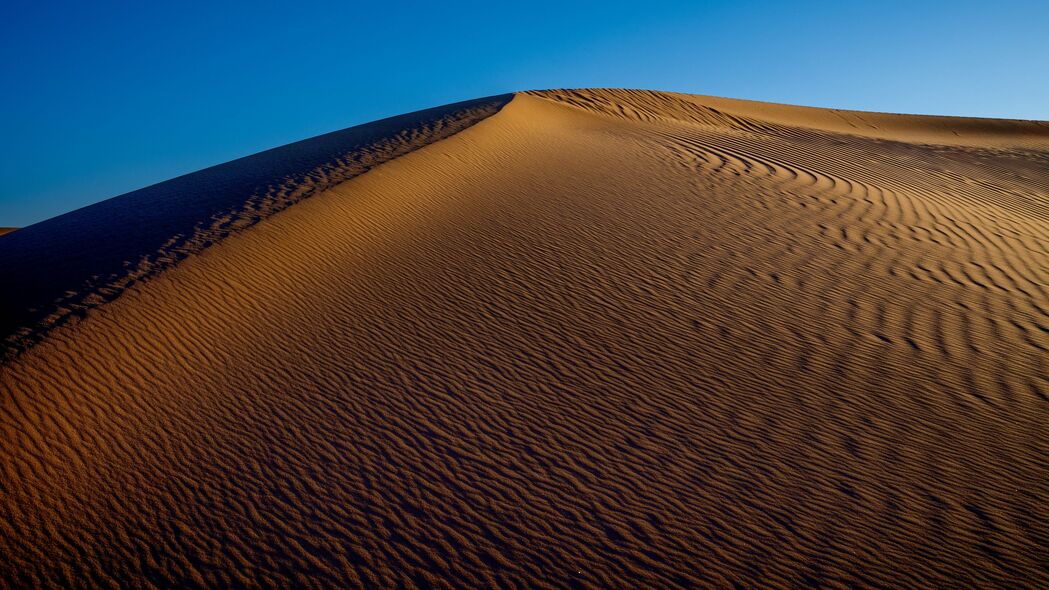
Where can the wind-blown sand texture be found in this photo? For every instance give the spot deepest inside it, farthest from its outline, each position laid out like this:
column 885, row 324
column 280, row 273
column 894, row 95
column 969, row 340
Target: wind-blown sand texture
column 561, row 339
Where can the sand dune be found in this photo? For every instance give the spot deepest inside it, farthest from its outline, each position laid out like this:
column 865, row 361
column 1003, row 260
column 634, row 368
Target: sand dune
column 80, row 260
column 569, row 339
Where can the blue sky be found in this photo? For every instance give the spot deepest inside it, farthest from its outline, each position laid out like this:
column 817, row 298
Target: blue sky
column 100, row 98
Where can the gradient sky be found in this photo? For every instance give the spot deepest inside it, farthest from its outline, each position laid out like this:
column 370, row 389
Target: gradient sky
column 100, row 98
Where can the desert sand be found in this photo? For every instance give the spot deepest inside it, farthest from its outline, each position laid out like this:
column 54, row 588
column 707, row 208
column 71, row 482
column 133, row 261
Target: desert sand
column 587, row 339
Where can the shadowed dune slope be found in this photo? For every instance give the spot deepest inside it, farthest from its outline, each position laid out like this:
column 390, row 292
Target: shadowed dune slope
column 597, row 339
column 71, row 263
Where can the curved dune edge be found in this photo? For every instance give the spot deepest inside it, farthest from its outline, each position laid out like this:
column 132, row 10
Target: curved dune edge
column 75, row 262
column 566, row 347
column 764, row 117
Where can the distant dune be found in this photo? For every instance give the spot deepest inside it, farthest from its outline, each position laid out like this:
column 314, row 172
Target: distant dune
column 588, row 338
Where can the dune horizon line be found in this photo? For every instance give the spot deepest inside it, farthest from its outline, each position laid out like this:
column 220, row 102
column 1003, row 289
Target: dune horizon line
column 1039, row 122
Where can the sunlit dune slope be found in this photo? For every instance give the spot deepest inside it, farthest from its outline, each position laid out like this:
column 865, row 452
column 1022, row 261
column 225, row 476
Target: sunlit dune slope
column 590, row 339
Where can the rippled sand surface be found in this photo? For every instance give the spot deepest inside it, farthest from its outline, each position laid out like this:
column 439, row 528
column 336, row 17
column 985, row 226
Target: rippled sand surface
column 582, row 339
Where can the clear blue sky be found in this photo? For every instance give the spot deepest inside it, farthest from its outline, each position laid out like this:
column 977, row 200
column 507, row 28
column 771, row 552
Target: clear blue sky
column 100, row 98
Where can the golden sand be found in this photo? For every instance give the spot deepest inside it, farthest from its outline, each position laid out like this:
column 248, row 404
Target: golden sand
column 597, row 339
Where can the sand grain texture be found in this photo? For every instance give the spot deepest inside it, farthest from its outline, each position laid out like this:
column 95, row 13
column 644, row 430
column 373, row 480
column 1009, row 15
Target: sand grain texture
column 590, row 339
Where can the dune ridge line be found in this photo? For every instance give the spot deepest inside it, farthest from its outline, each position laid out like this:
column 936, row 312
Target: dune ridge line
column 72, row 263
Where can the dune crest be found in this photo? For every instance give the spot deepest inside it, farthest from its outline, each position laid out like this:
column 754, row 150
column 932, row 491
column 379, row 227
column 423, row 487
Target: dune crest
column 77, row 261
column 592, row 339
column 772, row 118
